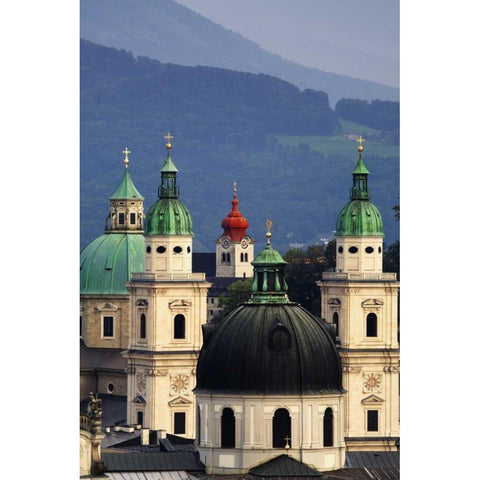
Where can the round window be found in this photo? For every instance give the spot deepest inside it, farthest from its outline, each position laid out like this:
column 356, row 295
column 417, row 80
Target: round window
column 110, row 388
column 353, row 249
column 149, row 249
column 369, row 250
column 161, row 249
column 340, row 249
column 177, row 249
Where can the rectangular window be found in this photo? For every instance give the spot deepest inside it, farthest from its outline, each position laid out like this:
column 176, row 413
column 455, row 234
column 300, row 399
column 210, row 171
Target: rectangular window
column 121, row 218
column 179, row 423
column 108, row 326
column 81, row 326
column 372, row 420
column 133, row 219
column 140, row 418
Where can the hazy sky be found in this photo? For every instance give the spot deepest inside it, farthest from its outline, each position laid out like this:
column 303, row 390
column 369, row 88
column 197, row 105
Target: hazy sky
column 359, row 38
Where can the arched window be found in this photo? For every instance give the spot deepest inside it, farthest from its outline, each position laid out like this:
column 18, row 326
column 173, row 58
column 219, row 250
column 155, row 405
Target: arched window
column 143, row 326
column 223, row 257
column 371, row 325
column 241, row 257
column 328, row 428
column 179, row 326
column 282, row 428
column 228, row 428
column 246, row 257
column 335, row 322
column 228, row 257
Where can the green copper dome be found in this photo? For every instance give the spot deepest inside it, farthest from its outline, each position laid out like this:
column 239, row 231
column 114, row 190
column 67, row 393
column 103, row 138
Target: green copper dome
column 168, row 215
column 107, row 262
column 359, row 216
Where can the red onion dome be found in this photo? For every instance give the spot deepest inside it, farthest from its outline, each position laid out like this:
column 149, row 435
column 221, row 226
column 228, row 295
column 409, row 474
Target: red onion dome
column 235, row 224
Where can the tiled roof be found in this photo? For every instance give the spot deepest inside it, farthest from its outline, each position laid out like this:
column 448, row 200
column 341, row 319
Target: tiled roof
column 149, row 462
column 284, row 466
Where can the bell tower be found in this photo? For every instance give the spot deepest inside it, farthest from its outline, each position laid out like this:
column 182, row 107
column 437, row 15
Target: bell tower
column 362, row 301
column 234, row 248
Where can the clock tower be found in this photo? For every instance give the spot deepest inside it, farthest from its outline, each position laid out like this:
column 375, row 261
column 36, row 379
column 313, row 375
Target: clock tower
column 234, row 250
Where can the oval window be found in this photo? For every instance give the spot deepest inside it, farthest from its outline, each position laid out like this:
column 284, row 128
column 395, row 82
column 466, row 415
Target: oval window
column 189, row 249
column 110, row 388
column 369, row 250
column 177, row 249
column 353, row 249
column 161, row 249
column 340, row 249
column 379, row 249
column 149, row 249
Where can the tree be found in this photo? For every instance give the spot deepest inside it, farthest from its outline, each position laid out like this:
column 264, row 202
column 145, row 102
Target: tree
column 238, row 292
column 304, row 269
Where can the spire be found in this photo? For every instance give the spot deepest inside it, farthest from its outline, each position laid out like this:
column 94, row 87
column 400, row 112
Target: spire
column 168, row 187
column 126, row 190
column 235, row 224
column 269, row 285
column 360, row 190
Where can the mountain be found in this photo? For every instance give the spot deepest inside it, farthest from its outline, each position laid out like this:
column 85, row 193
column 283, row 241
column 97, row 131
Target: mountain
column 171, row 33
column 225, row 125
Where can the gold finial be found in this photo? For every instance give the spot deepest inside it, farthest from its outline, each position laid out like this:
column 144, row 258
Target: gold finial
column 287, row 446
column 126, row 160
column 360, row 140
column 235, row 187
column 168, row 137
column 268, row 224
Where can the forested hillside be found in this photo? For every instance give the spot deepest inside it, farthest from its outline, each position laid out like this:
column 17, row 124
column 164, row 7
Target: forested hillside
column 224, row 124
column 169, row 32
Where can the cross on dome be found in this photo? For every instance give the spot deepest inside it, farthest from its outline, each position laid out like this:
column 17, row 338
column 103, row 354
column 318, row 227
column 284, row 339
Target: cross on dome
column 268, row 224
column 168, row 137
column 126, row 160
column 360, row 140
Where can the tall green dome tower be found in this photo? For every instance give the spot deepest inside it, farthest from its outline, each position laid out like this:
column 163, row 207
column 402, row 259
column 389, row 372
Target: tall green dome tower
column 359, row 229
column 168, row 226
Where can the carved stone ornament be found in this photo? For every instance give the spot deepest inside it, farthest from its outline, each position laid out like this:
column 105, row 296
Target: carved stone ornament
column 179, row 384
column 334, row 301
column 372, row 383
column 157, row 372
column 352, row 369
column 141, row 383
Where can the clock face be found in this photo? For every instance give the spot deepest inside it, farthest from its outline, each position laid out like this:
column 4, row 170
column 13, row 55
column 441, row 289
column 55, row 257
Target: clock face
column 244, row 243
column 225, row 243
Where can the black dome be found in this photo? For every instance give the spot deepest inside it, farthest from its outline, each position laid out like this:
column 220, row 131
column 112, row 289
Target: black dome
column 263, row 348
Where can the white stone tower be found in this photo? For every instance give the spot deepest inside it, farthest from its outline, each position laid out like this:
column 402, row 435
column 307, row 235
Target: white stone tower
column 234, row 248
column 362, row 301
column 168, row 308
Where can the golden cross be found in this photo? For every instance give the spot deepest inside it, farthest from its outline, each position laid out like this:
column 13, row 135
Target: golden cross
column 168, row 137
column 360, row 140
column 269, row 224
column 126, row 152
column 287, row 438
